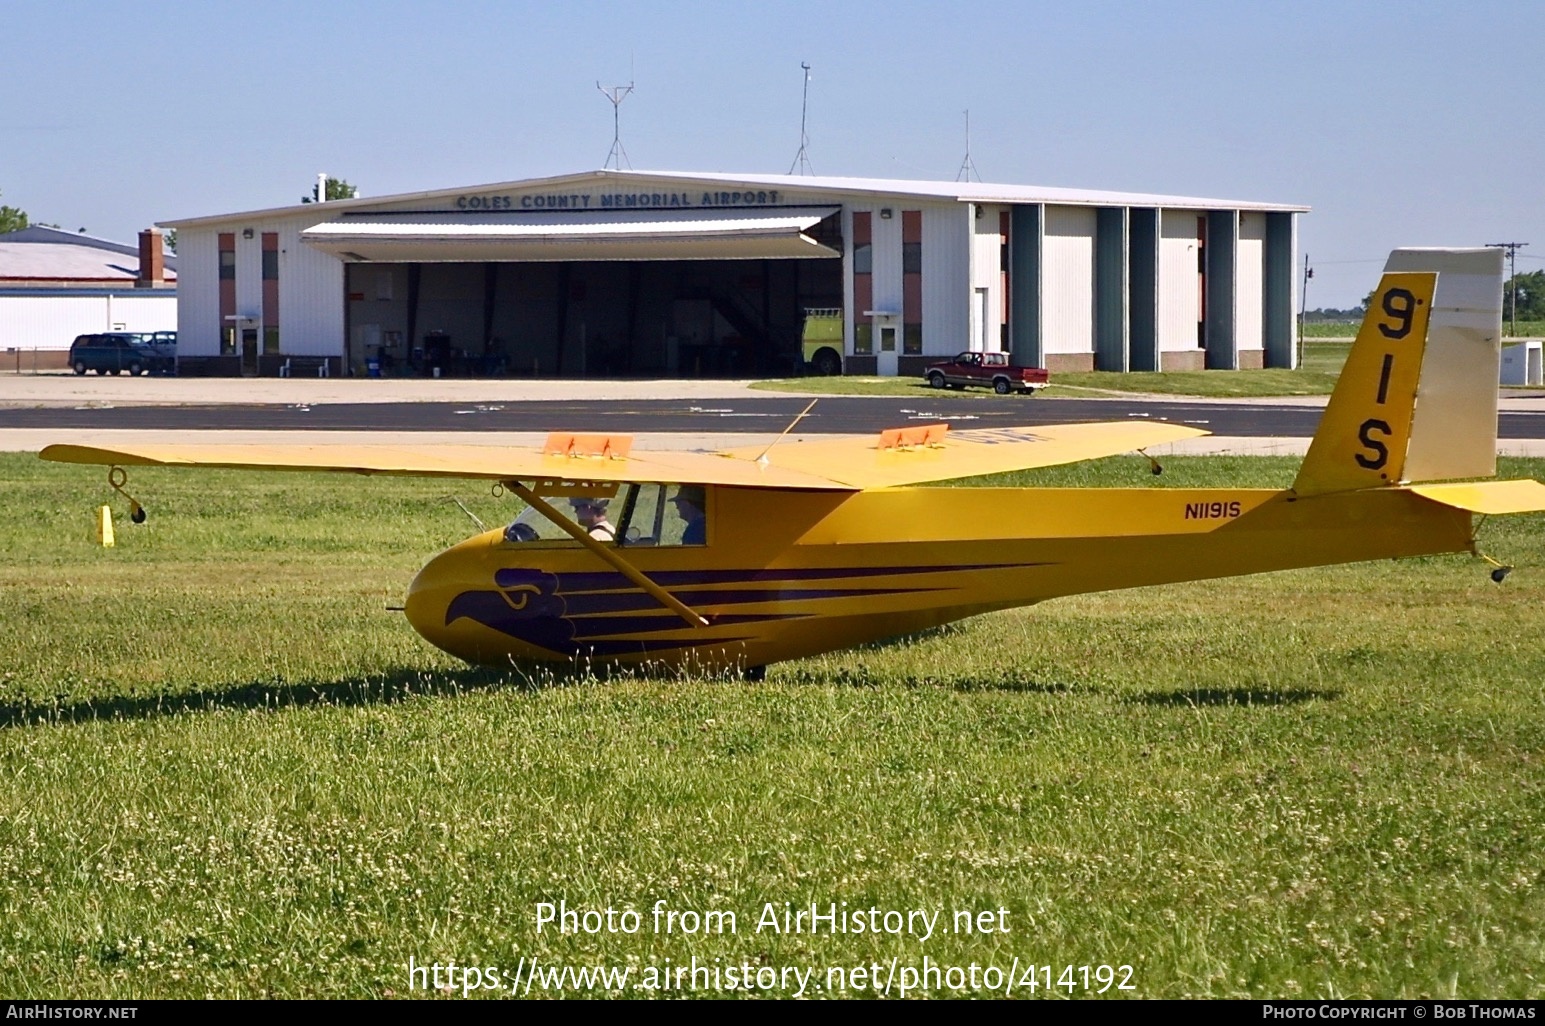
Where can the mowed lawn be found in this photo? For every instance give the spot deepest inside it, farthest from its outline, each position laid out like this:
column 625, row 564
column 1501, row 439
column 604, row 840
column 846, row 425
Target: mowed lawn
column 1321, row 364
column 226, row 769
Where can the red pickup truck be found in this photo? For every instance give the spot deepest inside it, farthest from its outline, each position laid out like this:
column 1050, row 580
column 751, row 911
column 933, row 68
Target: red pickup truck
column 990, row 370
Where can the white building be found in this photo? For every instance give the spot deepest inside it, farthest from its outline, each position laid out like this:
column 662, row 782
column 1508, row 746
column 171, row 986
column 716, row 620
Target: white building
column 55, row 285
column 685, row 274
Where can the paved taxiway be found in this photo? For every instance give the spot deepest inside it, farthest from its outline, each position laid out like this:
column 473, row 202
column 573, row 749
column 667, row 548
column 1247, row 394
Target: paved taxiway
column 36, row 410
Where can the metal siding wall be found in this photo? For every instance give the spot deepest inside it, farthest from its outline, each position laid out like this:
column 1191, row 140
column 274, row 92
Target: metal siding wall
column 886, row 278
column 1110, row 289
column 198, row 292
column 311, row 294
column 1025, row 240
column 1143, row 289
column 1222, row 290
column 1068, row 312
column 946, row 278
column 1250, row 277
column 249, row 276
column 47, row 321
column 986, row 273
column 847, row 281
column 1179, row 297
column 1277, row 291
column 138, row 311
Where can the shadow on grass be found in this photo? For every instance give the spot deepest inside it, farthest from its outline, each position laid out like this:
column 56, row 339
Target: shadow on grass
column 944, row 630
column 1234, row 696
column 274, row 694
column 863, row 678
column 1008, row 683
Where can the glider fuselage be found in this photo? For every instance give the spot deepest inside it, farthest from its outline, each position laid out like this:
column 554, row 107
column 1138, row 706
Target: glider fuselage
column 786, row 574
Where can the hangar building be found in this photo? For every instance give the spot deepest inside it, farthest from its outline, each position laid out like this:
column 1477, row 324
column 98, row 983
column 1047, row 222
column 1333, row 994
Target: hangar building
column 633, row 273
column 56, row 284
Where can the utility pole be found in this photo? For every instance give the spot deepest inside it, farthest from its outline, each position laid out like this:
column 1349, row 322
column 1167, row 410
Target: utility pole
column 618, row 156
column 1512, row 267
column 802, row 159
column 1303, row 304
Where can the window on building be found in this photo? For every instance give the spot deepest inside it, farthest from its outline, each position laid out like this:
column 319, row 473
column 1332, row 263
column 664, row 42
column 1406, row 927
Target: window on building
column 863, row 339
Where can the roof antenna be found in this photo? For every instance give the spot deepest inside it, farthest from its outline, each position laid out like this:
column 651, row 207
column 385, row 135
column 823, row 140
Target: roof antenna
column 618, row 156
column 802, row 158
column 968, row 166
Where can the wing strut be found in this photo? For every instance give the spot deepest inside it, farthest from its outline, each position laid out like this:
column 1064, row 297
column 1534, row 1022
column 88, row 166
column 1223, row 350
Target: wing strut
column 611, row 556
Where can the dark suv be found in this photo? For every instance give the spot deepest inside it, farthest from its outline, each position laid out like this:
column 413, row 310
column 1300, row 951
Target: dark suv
column 114, row 351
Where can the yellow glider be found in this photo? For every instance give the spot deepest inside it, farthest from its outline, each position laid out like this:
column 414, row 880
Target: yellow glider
column 748, row 557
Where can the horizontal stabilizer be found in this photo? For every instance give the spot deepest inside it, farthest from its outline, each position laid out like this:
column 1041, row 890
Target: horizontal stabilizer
column 1488, row 496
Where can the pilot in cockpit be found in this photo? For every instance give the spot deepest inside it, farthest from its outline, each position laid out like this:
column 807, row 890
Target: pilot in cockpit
column 590, row 513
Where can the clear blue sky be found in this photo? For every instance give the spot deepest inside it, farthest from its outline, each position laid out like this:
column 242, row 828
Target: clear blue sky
column 1400, row 124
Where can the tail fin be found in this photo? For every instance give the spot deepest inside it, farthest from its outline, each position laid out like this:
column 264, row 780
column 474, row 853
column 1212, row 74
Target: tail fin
column 1417, row 399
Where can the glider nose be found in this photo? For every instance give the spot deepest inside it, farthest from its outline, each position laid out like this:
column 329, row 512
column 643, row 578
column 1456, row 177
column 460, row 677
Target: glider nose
column 440, row 594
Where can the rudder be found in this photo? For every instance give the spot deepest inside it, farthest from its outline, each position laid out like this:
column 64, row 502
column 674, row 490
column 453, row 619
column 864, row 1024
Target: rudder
column 1363, row 436
column 1418, row 404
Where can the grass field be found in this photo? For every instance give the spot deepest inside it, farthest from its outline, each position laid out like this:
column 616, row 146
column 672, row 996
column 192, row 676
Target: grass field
column 1322, row 362
column 1348, row 329
column 1324, row 351
column 226, row 770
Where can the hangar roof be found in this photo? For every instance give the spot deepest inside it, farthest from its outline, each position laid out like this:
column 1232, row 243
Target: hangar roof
column 964, row 192
column 40, row 254
column 982, row 192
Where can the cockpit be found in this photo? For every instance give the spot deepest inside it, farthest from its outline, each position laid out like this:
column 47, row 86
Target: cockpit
column 627, row 515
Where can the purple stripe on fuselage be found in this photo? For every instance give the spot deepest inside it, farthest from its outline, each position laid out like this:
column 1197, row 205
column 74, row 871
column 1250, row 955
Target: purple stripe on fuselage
column 570, row 583
column 590, row 603
column 600, row 626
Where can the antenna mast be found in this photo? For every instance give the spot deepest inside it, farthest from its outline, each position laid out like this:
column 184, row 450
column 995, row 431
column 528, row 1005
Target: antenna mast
column 618, row 156
column 968, row 166
column 802, row 158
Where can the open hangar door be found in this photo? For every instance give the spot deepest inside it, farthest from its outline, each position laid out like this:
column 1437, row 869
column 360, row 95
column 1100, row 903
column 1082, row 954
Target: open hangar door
column 686, row 318
column 733, row 306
